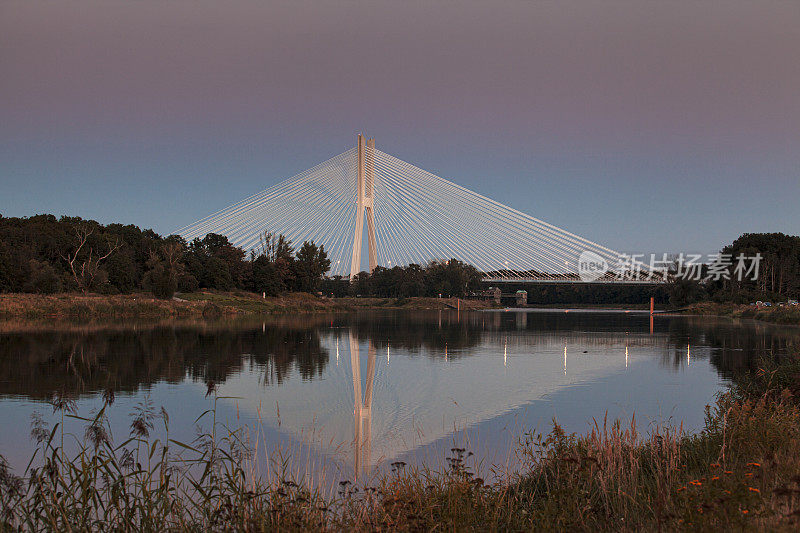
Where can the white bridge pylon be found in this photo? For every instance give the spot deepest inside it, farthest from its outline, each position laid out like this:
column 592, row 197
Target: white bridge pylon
column 365, row 203
column 413, row 217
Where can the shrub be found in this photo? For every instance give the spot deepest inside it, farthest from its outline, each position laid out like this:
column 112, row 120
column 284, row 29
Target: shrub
column 43, row 278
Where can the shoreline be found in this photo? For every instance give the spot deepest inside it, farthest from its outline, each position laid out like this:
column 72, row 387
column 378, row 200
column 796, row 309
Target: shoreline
column 206, row 304
column 740, row 471
column 786, row 316
column 78, row 307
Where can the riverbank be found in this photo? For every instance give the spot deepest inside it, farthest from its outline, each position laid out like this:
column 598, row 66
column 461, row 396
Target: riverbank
column 741, row 472
column 787, row 315
column 207, row 304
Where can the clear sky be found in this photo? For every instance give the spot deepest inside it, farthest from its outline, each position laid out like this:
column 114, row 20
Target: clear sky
column 644, row 126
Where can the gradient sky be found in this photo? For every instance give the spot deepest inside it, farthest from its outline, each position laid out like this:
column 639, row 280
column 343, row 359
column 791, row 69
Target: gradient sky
column 644, row 126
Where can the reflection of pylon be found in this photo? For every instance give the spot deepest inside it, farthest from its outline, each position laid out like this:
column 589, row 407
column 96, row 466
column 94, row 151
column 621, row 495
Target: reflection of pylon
column 362, row 409
column 365, row 187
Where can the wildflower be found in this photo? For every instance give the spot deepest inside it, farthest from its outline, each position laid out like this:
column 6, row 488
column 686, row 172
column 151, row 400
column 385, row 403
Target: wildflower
column 714, row 465
column 714, row 478
column 749, row 474
column 754, row 465
column 753, row 489
column 745, row 511
column 729, row 472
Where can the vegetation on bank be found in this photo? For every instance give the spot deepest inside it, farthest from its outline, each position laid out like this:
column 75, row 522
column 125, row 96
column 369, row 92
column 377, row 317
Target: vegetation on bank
column 778, row 276
column 46, row 255
column 741, row 471
column 788, row 315
column 205, row 304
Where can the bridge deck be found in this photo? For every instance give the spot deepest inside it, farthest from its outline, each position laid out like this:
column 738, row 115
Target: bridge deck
column 573, row 281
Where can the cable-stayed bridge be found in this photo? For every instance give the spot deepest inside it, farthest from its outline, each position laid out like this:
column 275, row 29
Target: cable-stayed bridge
column 413, row 216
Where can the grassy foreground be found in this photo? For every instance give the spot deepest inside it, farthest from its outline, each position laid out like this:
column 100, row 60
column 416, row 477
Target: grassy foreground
column 741, row 472
column 208, row 304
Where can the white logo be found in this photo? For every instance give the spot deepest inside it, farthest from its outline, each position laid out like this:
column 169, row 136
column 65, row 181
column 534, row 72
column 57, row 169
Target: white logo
column 591, row 266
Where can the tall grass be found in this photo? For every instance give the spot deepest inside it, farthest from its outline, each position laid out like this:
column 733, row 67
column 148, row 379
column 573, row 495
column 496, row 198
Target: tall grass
column 741, row 471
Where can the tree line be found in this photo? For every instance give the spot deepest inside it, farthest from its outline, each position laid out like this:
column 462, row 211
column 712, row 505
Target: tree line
column 45, row 254
column 778, row 274
column 450, row 278
column 777, row 277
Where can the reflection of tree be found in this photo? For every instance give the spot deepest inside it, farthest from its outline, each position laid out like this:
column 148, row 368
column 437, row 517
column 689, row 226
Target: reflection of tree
column 83, row 359
column 36, row 364
column 284, row 349
column 737, row 346
column 417, row 330
column 734, row 345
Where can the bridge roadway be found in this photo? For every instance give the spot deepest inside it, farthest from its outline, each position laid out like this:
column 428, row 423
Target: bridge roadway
column 536, row 281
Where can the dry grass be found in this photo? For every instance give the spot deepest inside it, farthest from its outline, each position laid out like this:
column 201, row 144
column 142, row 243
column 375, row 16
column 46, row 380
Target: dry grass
column 741, row 472
column 207, row 304
column 82, row 307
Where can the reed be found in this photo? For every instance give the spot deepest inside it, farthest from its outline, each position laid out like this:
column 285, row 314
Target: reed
column 741, row 471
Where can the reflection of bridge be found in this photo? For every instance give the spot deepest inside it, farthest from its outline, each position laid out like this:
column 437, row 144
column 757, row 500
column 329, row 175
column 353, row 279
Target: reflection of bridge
column 362, row 411
column 410, row 416
column 413, row 217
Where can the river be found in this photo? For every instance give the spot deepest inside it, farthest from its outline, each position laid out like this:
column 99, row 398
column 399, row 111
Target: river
column 346, row 396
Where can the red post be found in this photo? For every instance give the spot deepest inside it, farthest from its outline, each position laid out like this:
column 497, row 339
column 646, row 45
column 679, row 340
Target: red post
column 652, row 304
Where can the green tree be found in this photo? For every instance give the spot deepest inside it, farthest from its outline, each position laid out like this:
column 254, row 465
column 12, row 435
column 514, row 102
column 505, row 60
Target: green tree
column 43, row 278
column 265, row 277
column 166, row 269
column 778, row 273
column 451, row 278
column 311, row 263
column 685, row 291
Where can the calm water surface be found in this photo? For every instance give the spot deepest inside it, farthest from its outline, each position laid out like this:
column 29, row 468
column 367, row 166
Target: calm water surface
column 347, row 395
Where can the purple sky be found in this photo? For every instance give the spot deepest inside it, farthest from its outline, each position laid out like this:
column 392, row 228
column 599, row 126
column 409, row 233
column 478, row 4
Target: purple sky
column 645, row 126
